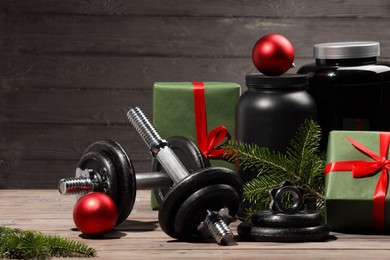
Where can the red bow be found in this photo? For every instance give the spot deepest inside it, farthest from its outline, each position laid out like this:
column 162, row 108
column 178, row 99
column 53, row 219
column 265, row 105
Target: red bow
column 362, row 169
column 207, row 142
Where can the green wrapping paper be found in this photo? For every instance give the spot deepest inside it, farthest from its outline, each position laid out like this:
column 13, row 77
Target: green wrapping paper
column 174, row 112
column 349, row 200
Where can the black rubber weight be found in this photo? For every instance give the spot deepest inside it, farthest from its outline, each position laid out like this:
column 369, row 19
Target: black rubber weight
column 247, row 231
column 304, row 218
column 190, row 185
column 189, row 155
column 109, row 155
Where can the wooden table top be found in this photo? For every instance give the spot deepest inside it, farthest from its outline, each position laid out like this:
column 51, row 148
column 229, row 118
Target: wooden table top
column 140, row 237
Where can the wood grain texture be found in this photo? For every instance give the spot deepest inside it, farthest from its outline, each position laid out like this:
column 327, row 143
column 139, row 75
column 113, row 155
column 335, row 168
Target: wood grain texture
column 177, row 36
column 38, row 156
column 264, row 8
column 37, row 174
column 64, row 142
column 72, row 106
column 140, row 236
column 94, row 72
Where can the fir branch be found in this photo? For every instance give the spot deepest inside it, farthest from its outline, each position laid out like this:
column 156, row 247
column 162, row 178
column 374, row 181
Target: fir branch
column 302, row 154
column 68, row 248
column 27, row 244
column 302, row 164
column 252, row 157
column 302, row 146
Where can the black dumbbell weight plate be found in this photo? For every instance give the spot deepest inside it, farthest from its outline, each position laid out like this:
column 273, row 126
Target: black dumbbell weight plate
column 189, row 155
column 304, row 218
column 247, row 231
column 109, row 159
column 190, row 185
column 194, row 209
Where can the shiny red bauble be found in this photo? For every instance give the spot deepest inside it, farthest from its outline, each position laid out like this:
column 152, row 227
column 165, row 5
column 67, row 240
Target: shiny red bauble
column 273, row 55
column 95, row 213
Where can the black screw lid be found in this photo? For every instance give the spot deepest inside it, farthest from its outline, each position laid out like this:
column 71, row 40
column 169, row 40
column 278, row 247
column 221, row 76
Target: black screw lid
column 283, row 81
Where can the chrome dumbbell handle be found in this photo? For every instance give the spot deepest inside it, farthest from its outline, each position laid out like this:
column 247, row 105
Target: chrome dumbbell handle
column 152, row 180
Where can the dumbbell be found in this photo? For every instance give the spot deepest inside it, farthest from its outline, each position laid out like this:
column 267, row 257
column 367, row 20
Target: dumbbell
column 199, row 205
column 105, row 167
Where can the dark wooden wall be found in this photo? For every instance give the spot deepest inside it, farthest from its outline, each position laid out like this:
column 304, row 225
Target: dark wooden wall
column 70, row 69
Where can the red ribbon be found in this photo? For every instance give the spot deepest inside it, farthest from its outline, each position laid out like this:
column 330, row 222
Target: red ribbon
column 362, row 169
column 207, row 142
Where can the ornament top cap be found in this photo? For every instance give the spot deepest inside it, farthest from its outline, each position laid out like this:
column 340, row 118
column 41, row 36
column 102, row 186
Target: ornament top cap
column 346, row 50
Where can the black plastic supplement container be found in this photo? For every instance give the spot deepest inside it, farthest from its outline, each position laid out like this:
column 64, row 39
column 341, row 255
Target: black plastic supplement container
column 350, row 86
column 269, row 113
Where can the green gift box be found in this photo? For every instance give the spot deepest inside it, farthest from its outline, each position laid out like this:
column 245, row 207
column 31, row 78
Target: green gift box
column 175, row 105
column 355, row 173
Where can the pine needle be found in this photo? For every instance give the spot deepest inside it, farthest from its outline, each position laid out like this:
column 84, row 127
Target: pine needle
column 302, row 164
column 27, row 244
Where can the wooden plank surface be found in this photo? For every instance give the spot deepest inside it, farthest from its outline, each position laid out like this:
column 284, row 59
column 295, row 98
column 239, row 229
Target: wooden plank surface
column 140, row 237
column 99, row 72
column 177, row 36
column 265, row 8
column 72, row 106
column 51, row 152
column 57, row 142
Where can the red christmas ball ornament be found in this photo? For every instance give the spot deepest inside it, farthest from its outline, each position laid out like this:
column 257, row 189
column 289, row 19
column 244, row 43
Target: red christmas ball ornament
column 95, row 213
column 273, row 55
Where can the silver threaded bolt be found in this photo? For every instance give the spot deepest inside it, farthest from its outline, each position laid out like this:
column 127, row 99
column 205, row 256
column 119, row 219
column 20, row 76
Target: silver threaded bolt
column 75, row 186
column 85, row 181
column 145, row 129
column 215, row 225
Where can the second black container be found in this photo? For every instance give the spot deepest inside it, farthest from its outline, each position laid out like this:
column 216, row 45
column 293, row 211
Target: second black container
column 269, row 113
column 350, row 86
